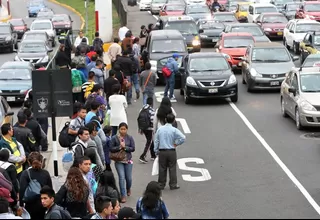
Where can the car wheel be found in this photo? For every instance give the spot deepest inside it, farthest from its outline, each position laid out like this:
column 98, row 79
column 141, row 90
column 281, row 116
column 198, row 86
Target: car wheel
column 297, row 119
column 234, row 98
column 283, row 111
column 186, row 98
column 285, row 44
column 181, row 92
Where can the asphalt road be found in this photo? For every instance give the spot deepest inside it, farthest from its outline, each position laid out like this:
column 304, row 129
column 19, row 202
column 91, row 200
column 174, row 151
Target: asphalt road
column 19, row 10
column 259, row 164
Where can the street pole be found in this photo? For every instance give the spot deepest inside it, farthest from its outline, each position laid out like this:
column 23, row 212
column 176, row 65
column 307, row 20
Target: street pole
column 85, row 6
column 8, row 7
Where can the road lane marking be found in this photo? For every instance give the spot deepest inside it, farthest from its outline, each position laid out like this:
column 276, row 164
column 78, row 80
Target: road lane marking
column 160, row 95
column 155, row 17
column 276, row 158
column 205, row 175
column 184, row 125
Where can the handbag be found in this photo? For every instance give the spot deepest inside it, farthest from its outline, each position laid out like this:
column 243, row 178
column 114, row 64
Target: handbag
column 125, row 84
column 118, row 156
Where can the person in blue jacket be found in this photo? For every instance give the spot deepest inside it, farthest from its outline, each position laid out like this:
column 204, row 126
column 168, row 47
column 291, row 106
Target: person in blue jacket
column 172, row 65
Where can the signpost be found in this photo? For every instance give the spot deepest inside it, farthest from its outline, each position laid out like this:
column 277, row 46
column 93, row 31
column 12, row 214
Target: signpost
column 52, row 97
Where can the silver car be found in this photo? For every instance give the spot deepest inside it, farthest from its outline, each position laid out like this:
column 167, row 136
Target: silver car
column 300, row 96
column 156, row 5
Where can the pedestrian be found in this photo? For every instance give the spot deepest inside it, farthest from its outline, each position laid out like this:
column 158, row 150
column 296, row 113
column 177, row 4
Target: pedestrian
column 96, row 99
column 80, row 38
column 134, row 78
column 93, row 110
column 73, row 195
column 106, row 147
column 167, row 139
column 9, row 168
column 17, row 154
column 82, row 48
column 76, row 108
column 35, row 172
column 93, row 131
column 151, row 205
column 115, row 208
column 98, row 73
column 123, row 142
column 118, row 105
column 128, row 213
column 35, row 127
column 109, row 82
column 143, row 37
column 62, row 59
column 95, row 167
column 5, row 200
column 88, row 86
column 92, row 63
column 119, row 76
column 77, row 123
column 91, row 53
column 53, row 210
column 148, row 81
column 77, row 80
column 103, row 207
column 98, row 44
column 101, row 134
column 107, row 186
column 114, row 51
column 145, row 124
column 136, row 48
column 81, row 144
column 172, row 65
column 127, row 41
column 161, row 113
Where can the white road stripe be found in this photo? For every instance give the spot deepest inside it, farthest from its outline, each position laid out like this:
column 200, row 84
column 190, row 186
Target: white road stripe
column 149, row 12
column 276, row 158
column 155, row 17
column 184, row 125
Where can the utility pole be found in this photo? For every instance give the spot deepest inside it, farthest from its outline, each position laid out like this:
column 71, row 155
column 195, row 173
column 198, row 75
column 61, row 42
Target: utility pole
column 86, row 7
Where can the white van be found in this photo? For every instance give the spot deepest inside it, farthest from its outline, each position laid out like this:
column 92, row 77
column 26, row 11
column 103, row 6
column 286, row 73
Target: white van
column 256, row 9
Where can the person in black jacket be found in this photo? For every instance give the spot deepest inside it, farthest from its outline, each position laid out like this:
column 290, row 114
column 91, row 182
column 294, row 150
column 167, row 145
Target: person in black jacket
column 84, row 45
column 34, row 126
column 24, row 135
column 62, row 60
column 109, row 82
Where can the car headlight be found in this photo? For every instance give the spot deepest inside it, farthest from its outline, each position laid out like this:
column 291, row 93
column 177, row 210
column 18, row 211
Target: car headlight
column 254, row 73
column 267, row 29
column 307, row 106
column 226, row 56
column 45, row 59
column 16, row 58
column 67, row 26
column 195, row 42
column 8, row 38
column 153, row 65
column 203, row 36
column 190, row 81
column 23, row 91
column 232, row 79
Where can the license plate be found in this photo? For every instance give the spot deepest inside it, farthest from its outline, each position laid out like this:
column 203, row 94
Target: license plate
column 215, row 39
column 274, row 83
column 11, row 99
column 213, row 90
column 189, row 48
column 280, row 33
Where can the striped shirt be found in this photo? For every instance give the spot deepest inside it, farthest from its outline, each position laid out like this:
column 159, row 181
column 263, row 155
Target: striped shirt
column 85, row 85
column 151, row 113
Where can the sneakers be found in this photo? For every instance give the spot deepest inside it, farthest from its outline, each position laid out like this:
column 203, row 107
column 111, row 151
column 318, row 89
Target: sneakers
column 143, row 160
column 173, row 99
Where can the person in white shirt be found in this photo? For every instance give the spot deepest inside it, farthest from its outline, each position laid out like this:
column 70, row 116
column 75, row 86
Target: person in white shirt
column 118, row 104
column 114, row 50
column 122, row 32
column 79, row 39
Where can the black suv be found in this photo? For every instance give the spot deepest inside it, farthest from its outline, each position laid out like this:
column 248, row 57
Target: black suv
column 8, row 38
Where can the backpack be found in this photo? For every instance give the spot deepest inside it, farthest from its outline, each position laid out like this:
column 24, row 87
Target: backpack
column 76, row 81
column 80, row 61
column 89, row 89
column 89, row 101
column 93, row 184
column 97, row 45
column 144, row 120
column 33, row 189
column 166, row 72
column 68, row 157
column 64, row 214
column 65, row 139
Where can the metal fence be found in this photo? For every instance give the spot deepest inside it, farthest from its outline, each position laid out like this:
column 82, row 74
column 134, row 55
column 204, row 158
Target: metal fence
column 122, row 11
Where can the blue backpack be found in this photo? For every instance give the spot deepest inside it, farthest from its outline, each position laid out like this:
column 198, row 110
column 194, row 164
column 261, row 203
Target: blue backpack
column 33, row 189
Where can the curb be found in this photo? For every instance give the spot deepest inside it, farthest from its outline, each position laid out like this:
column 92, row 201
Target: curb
column 6, row 19
column 71, row 9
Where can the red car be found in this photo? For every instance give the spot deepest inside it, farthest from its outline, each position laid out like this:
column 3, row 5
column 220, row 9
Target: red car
column 172, row 10
column 272, row 24
column 235, row 45
column 62, row 23
column 19, row 26
column 309, row 10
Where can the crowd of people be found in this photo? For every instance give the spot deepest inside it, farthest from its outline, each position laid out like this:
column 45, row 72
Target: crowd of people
column 97, row 137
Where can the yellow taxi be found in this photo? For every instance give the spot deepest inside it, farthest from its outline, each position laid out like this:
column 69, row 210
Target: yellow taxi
column 6, row 114
column 242, row 11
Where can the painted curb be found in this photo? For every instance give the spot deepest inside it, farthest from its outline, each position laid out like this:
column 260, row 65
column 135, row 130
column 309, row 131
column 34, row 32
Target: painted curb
column 71, row 9
column 6, row 19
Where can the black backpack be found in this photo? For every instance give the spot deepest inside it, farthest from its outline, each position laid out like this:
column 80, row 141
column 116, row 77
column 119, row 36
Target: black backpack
column 97, row 45
column 64, row 214
column 89, row 101
column 144, row 120
column 66, row 139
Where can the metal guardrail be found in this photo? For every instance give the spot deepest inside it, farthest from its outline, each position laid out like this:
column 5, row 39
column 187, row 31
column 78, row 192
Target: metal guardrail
column 122, row 11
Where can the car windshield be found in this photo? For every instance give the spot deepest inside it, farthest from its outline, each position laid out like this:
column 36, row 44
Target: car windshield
column 304, row 28
column 197, row 10
column 32, row 47
column 236, row 42
column 15, row 74
column 225, row 17
column 310, row 82
column 254, row 30
column 312, row 7
column 4, row 29
column 158, row 1
column 270, row 55
column 243, row 7
column 37, row 36
column 310, row 61
column 292, row 7
column 16, row 22
column 41, row 26
column 168, row 46
column 260, row 10
column 60, row 18
column 185, row 27
column 205, row 25
column 201, row 64
column 274, row 19
column 175, row 8
column 36, row 4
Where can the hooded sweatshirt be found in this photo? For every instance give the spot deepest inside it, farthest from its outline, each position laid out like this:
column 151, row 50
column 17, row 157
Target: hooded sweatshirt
column 172, row 65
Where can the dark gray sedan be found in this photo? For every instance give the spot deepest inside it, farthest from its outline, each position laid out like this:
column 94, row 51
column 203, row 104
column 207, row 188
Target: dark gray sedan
column 210, row 31
column 198, row 11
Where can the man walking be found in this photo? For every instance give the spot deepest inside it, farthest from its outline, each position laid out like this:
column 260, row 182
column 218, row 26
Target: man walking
column 109, row 82
column 114, row 51
column 172, row 65
column 98, row 73
column 148, row 81
column 166, row 141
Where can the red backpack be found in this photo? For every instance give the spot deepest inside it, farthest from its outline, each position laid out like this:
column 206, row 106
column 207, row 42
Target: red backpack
column 166, row 72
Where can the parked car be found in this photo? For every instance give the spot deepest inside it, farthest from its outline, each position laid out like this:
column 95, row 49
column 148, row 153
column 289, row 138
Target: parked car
column 19, row 26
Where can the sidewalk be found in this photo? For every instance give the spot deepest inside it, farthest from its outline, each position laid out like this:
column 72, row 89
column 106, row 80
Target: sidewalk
column 4, row 16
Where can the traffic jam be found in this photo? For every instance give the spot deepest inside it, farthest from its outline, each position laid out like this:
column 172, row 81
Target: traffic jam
column 273, row 45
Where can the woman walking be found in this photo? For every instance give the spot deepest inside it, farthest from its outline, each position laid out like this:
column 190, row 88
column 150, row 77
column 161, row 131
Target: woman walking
column 122, row 146
column 161, row 113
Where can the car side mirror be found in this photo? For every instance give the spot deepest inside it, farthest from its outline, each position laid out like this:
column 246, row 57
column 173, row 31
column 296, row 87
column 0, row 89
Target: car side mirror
column 291, row 31
column 295, row 58
column 201, row 31
column 9, row 113
column 292, row 90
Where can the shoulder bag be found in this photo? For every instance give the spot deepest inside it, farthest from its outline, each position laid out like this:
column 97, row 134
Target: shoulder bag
column 118, row 156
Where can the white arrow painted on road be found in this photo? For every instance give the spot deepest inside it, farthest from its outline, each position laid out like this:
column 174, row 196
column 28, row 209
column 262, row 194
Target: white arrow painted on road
column 184, row 125
column 159, row 96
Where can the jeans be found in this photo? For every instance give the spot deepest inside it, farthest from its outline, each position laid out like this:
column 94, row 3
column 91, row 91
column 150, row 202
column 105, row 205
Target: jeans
column 146, row 95
column 134, row 80
column 124, row 171
column 149, row 144
column 169, row 86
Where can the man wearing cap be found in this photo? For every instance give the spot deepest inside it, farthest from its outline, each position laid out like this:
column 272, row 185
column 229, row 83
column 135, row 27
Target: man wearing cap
column 172, row 65
column 128, row 213
column 5, row 200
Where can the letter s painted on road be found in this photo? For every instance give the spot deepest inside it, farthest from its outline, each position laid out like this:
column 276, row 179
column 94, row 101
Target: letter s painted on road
column 205, row 175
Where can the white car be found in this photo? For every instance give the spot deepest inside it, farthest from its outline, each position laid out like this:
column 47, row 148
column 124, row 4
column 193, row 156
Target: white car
column 145, row 5
column 44, row 25
column 190, row 2
column 256, row 9
column 295, row 31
